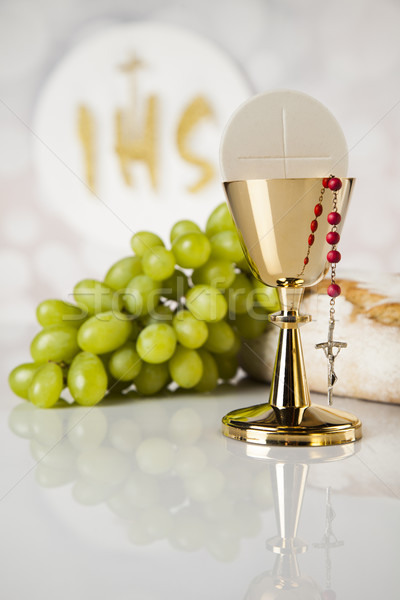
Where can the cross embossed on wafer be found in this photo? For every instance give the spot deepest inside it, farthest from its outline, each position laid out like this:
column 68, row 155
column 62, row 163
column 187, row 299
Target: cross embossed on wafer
column 328, row 348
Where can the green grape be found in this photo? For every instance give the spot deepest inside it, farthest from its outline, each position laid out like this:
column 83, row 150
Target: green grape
column 267, row 296
column 125, row 363
column 120, row 274
column 219, row 220
column 221, row 337
column 216, row 272
column 56, row 342
column 161, row 314
column 251, row 327
column 227, row 366
column 176, row 286
column 240, row 295
column 156, row 343
column 191, row 250
column 141, row 295
column 96, row 296
column 190, row 332
column 143, row 240
column 20, row 378
column 47, row 385
column 234, row 349
column 209, row 379
column 226, row 245
column 104, row 332
column 186, row 367
column 152, row 379
column 182, row 227
column 206, row 303
column 87, row 379
column 116, row 385
column 158, row 263
column 57, row 312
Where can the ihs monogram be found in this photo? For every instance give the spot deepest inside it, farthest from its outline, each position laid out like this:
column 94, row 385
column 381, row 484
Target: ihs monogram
column 136, row 130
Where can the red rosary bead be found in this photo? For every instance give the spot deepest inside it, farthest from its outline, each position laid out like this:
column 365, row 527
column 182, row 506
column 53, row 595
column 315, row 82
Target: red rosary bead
column 325, row 182
column 318, row 210
column 314, row 225
column 332, row 238
column 306, row 260
column 333, row 256
column 334, row 290
column 311, row 239
column 333, row 218
column 334, row 184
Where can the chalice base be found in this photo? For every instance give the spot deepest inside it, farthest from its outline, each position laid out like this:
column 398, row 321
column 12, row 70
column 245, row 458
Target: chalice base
column 319, row 426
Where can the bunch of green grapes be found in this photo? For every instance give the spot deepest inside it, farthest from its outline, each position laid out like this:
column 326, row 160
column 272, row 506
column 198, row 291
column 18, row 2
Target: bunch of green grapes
column 160, row 317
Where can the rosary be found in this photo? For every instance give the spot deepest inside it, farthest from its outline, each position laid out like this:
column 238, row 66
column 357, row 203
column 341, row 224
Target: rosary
column 331, row 348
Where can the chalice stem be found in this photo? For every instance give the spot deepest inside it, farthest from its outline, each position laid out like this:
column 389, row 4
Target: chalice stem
column 288, row 482
column 289, row 396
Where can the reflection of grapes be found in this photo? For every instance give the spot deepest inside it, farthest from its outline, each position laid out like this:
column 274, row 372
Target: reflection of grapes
column 162, row 477
column 150, row 325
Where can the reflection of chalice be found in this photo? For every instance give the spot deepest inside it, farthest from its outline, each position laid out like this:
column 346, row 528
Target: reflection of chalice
column 288, row 473
column 272, row 217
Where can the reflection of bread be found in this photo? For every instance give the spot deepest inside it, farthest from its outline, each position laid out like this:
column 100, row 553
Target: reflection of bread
column 368, row 319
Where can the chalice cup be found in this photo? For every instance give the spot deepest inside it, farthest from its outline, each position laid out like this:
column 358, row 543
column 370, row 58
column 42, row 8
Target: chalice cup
column 272, row 218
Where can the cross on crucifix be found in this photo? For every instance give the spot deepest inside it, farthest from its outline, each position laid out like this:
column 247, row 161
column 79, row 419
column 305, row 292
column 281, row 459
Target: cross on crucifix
column 284, row 155
column 328, row 348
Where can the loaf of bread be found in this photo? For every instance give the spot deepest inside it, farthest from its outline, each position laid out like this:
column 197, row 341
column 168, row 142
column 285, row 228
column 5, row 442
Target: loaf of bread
column 367, row 318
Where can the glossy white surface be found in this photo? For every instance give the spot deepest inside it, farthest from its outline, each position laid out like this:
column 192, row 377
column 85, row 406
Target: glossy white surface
column 145, row 499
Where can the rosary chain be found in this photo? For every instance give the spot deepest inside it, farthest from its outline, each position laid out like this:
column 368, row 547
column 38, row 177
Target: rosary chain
column 333, row 265
column 306, row 258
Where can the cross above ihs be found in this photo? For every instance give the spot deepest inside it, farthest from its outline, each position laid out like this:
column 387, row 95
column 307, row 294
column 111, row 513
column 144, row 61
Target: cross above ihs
column 328, row 348
column 136, row 127
column 130, row 68
column 131, row 64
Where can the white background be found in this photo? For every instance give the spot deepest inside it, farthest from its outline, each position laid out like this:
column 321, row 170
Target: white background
column 346, row 54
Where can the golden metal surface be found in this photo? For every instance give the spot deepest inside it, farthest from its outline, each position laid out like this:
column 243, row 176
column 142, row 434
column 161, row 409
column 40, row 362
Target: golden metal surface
column 273, row 218
column 289, row 393
column 319, row 426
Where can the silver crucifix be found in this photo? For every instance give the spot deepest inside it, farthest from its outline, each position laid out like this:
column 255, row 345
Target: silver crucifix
column 328, row 348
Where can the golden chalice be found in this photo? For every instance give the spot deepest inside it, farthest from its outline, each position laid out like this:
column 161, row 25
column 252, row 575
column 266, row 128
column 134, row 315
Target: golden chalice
column 272, row 217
